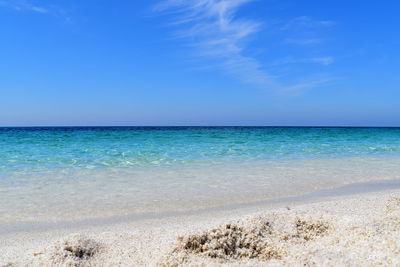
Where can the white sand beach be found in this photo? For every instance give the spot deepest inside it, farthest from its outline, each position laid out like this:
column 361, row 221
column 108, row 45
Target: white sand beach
column 172, row 133
column 359, row 229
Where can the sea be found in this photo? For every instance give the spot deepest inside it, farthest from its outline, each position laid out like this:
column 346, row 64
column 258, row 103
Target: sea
column 62, row 174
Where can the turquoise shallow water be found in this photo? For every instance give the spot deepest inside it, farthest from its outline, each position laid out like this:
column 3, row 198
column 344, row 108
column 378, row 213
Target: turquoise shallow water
column 48, row 173
column 130, row 147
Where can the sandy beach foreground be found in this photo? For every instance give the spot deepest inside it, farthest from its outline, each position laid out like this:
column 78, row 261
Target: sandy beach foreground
column 360, row 229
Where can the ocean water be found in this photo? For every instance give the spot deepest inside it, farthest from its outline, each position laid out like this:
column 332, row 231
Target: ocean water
column 71, row 173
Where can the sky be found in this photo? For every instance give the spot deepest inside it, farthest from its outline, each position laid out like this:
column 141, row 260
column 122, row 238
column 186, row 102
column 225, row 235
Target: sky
column 199, row 62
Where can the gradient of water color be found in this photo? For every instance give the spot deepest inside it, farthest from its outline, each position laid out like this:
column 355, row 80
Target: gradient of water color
column 77, row 173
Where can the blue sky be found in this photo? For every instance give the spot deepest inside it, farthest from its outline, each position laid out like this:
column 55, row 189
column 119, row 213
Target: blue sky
column 199, row 62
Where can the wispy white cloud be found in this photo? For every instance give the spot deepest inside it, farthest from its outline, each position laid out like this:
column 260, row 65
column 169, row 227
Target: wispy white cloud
column 308, row 83
column 38, row 9
column 23, row 6
column 303, row 41
column 33, row 7
column 306, row 23
column 214, row 29
column 305, row 31
column 290, row 60
column 323, row 60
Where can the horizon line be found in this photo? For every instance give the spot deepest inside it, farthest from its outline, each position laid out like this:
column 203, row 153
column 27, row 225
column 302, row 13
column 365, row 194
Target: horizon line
column 200, row 126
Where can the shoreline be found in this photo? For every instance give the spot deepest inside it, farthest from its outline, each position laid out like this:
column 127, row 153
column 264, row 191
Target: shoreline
column 104, row 193
column 315, row 196
column 155, row 236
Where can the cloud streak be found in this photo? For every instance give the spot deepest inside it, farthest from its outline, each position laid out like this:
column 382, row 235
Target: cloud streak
column 216, row 31
column 213, row 28
column 306, row 23
column 323, row 60
column 28, row 6
column 23, row 6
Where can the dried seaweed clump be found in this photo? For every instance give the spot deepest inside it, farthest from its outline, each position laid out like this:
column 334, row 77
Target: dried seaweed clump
column 309, row 230
column 75, row 251
column 232, row 241
column 257, row 239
